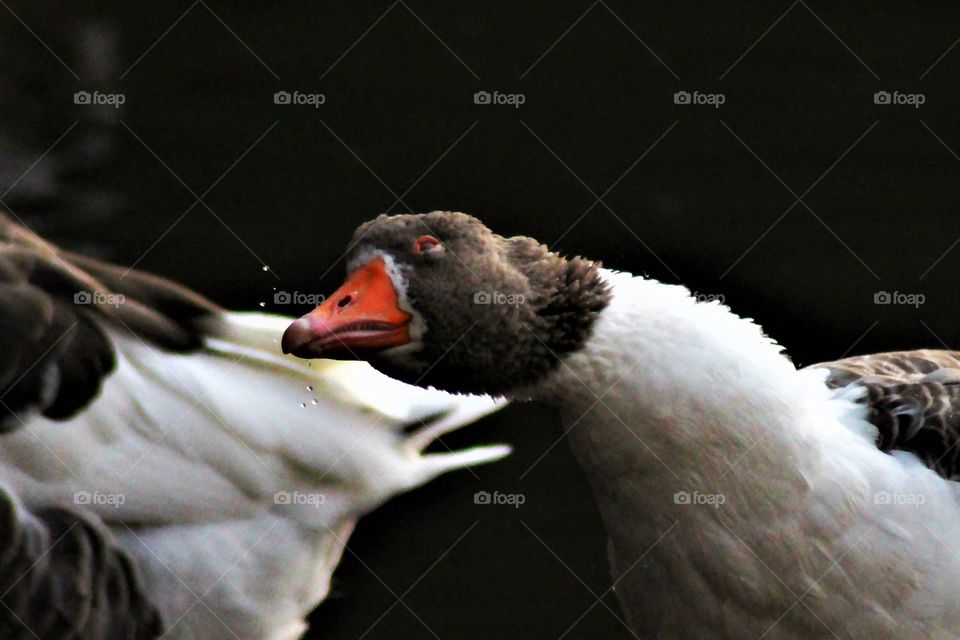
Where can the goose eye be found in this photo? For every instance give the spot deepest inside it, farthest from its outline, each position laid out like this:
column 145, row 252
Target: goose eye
column 426, row 244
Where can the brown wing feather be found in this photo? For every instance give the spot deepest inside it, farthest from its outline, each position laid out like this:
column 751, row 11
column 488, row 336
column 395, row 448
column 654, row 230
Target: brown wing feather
column 64, row 576
column 54, row 354
column 913, row 398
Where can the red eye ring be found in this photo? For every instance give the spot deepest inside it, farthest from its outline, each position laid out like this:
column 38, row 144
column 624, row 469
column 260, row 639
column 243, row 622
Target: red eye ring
column 426, row 244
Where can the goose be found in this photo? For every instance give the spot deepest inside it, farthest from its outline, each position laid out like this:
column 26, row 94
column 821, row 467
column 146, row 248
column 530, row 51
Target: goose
column 743, row 497
column 165, row 470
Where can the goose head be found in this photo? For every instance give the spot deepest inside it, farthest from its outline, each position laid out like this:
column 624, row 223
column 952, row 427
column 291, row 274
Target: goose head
column 439, row 300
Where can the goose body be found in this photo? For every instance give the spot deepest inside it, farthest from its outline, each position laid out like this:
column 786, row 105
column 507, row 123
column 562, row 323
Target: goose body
column 168, row 471
column 743, row 497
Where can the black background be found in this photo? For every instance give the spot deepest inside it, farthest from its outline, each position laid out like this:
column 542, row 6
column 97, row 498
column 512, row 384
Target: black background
column 599, row 161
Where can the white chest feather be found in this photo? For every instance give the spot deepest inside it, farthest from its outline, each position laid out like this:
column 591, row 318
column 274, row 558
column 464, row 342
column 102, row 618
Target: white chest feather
column 743, row 498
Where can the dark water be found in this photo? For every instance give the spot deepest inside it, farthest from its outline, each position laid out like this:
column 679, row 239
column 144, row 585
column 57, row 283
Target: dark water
column 200, row 176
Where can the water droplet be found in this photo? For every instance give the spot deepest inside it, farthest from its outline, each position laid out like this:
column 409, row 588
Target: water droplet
column 303, row 405
column 263, row 304
column 314, row 401
column 266, row 268
column 309, row 364
column 309, row 387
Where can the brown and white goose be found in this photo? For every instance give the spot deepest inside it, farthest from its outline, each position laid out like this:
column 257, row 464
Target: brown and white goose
column 743, row 498
column 165, row 470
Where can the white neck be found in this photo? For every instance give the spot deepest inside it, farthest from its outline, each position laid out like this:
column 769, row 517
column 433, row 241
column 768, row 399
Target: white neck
column 684, row 415
column 692, row 383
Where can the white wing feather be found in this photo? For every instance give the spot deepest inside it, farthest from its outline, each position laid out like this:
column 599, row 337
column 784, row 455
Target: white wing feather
column 193, row 458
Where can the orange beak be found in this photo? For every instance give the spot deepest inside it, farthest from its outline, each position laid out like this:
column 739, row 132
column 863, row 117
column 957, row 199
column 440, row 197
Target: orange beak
column 360, row 318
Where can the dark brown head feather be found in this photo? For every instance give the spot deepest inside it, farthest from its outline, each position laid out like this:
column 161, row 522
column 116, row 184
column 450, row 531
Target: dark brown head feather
column 499, row 312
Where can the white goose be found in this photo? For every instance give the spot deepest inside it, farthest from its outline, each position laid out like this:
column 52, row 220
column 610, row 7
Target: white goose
column 743, row 498
column 168, row 471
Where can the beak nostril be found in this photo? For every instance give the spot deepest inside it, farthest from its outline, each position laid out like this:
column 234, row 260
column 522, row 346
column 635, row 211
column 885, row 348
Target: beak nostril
column 344, row 301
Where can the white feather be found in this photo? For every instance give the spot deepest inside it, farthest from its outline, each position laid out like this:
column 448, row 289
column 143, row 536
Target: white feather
column 234, row 474
column 743, row 498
